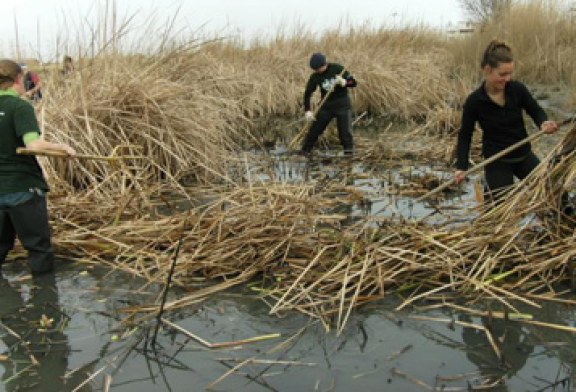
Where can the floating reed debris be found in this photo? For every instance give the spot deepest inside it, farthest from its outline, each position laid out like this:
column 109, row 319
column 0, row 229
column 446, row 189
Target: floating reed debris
column 220, row 344
column 313, row 262
column 485, row 385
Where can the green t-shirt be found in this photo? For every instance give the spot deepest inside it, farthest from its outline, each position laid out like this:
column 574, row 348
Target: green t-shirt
column 18, row 173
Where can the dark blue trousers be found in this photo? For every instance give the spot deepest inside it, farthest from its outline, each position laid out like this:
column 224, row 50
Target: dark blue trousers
column 343, row 122
column 29, row 222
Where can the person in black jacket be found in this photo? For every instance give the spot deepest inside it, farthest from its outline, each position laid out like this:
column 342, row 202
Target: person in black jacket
column 497, row 106
column 32, row 84
column 332, row 79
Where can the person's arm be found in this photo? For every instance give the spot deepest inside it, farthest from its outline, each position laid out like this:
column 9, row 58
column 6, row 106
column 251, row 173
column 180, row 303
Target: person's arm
column 531, row 106
column 310, row 88
column 33, row 141
column 535, row 111
column 350, row 81
column 465, row 139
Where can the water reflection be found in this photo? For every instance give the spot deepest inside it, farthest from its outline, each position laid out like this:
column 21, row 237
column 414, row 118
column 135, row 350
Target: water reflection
column 36, row 346
column 377, row 345
column 512, row 347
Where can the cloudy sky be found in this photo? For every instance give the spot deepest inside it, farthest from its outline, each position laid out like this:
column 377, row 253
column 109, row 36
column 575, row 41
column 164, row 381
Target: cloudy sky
column 48, row 23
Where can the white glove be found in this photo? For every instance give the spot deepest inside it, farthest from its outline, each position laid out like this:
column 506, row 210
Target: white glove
column 340, row 81
column 309, row 116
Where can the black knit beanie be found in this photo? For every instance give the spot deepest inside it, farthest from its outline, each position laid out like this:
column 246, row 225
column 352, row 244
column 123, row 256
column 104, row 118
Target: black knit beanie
column 317, row 60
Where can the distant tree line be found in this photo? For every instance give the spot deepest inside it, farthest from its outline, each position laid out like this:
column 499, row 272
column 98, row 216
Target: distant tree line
column 483, row 11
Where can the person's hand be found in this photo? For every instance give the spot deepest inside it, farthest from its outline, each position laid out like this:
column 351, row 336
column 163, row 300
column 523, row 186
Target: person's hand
column 459, row 176
column 549, row 126
column 309, row 116
column 340, row 81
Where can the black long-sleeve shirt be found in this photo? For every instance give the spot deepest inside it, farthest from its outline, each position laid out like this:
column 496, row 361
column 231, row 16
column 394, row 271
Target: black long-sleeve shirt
column 325, row 80
column 502, row 126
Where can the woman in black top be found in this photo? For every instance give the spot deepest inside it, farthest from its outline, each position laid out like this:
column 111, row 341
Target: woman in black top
column 498, row 105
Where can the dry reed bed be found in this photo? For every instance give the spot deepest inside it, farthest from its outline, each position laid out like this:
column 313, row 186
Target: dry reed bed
column 272, row 230
column 150, row 106
column 187, row 110
column 308, row 261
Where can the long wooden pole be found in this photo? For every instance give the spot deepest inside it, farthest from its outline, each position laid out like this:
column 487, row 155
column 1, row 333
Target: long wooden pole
column 481, row 165
column 57, row 154
column 62, row 154
column 488, row 161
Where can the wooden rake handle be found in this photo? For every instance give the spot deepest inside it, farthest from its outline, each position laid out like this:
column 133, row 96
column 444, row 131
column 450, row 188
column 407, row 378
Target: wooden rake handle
column 62, row 154
column 488, row 161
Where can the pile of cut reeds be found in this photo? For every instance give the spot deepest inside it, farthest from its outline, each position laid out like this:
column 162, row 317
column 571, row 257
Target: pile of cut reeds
column 153, row 106
column 308, row 259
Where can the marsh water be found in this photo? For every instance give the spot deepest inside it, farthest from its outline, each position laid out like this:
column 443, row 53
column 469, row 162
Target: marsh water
column 380, row 350
column 63, row 332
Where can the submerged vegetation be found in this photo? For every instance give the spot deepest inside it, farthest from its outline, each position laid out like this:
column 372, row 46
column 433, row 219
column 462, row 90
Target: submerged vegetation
column 201, row 114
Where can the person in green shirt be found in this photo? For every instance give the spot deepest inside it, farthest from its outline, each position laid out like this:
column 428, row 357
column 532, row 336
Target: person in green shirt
column 332, row 79
column 23, row 207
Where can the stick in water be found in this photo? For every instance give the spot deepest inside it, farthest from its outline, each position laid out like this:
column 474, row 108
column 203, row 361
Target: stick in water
column 165, row 293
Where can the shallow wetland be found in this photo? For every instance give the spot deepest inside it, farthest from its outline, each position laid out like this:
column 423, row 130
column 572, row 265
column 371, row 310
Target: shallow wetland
column 438, row 344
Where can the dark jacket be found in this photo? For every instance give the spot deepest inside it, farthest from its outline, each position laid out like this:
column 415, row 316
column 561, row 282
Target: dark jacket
column 502, row 126
column 339, row 97
column 31, row 79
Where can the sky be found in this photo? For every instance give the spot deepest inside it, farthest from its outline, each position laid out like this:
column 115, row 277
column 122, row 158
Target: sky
column 41, row 28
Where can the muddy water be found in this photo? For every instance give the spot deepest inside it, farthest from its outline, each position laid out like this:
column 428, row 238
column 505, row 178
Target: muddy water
column 380, row 350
